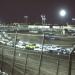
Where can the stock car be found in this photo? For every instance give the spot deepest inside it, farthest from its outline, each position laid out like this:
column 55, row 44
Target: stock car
column 10, row 43
column 2, row 42
column 52, row 37
column 54, row 48
column 30, row 46
column 40, row 48
column 33, row 46
column 21, row 44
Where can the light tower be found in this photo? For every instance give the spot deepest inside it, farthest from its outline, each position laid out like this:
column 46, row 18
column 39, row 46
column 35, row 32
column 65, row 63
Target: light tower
column 43, row 17
column 62, row 13
column 26, row 19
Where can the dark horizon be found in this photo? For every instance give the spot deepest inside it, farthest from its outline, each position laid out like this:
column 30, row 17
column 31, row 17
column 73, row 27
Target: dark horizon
column 15, row 10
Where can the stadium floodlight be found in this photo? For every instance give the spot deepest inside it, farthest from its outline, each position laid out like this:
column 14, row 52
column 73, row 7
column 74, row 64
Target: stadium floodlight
column 62, row 13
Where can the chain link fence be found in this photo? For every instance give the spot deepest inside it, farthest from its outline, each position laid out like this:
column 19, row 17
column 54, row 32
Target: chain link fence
column 18, row 61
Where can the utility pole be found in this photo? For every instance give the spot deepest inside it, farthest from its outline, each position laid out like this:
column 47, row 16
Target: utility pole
column 26, row 19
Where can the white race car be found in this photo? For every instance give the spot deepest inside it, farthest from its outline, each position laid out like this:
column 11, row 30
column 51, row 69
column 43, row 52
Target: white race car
column 54, row 48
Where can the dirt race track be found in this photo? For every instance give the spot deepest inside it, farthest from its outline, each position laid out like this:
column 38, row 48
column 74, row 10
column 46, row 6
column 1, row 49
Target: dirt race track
column 28, row 63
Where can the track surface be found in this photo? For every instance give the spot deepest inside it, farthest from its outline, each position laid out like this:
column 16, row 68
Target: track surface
column 30, row 66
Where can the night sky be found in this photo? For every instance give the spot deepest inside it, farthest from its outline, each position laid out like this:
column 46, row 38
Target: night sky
column 15, row 10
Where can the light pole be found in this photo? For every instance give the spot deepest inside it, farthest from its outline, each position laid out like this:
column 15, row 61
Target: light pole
column 62, row 13
column 43, row 17
column 26, row 19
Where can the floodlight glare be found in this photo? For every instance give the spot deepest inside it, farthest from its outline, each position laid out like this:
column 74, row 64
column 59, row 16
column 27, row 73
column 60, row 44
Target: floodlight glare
column 62, row 13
